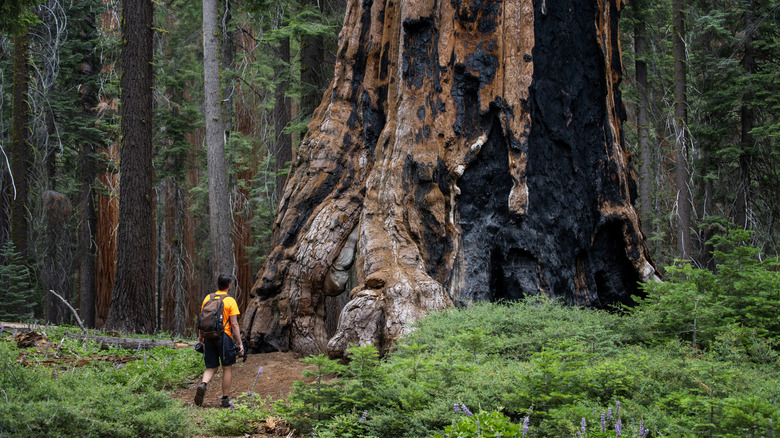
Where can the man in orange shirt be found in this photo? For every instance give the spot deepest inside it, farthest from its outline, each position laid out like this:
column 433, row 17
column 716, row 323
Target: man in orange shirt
column 221, row 350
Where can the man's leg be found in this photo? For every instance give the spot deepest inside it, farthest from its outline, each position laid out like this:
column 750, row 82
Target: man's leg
column 208, row 374
column 201, row 391
column 227, row 377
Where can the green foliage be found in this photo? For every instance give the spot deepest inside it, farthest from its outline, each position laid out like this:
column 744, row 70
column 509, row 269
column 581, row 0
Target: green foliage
column 105, row 399
column 17, row 16
column 554, row 365
column 482, row 424
column 242, row 418
column 17, row 294
column 705, row 307
column 343, row 426
column 310, row 404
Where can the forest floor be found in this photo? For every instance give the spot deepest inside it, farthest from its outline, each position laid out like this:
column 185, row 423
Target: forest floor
column 280, row 371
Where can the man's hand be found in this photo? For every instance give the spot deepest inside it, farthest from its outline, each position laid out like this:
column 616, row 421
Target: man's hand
column 241, row 350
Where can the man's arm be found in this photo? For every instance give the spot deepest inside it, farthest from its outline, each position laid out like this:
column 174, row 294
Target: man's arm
column 236, row 334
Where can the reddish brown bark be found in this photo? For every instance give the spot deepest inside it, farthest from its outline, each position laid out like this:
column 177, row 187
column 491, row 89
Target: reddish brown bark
column 464, row 151
column 107, row 194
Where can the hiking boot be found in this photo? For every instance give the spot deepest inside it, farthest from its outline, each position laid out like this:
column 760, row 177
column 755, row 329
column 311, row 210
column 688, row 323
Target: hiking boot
column 200, row 393
column 226, row 402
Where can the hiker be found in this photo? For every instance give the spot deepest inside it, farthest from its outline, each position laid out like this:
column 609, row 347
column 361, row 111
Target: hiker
column 220, row 343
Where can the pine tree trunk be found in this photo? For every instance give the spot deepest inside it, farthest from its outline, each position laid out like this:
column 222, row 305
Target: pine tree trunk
column 643, row 129
column 20, row 145
column 133, row 299
column 464, row 151
column 282, row 116
column 681, row 144
column 747, row 118
column 312, row 62
column 219, row 206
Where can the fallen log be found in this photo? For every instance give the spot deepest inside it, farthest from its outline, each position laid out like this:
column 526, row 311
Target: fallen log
column 106, row 342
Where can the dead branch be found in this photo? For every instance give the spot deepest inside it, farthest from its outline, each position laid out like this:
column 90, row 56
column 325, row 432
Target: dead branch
column 75, row 314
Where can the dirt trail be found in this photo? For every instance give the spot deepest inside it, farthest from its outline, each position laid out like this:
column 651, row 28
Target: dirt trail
column 280, row 370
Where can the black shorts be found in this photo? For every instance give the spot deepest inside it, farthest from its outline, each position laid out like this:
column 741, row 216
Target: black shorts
column 220, row 350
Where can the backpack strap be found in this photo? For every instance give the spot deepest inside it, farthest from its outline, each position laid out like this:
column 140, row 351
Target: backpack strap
column 215, row 296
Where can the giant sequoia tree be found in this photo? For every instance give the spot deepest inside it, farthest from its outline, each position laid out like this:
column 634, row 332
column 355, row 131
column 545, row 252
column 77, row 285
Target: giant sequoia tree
column 465, row 150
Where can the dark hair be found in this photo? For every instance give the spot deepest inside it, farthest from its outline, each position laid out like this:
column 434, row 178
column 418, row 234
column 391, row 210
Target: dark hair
column 224, row 281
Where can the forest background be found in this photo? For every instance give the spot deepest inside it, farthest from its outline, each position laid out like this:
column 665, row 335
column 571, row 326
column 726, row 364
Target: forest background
column 701, row 122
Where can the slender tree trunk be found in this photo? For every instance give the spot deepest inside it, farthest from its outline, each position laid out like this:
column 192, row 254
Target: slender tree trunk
column 464, row 151
column 643, row 129
column 245, row 111
column 219, row 206
column 681, row 145
column 87, row 252
column 313, row 78
column 107, row 193
column 20, row 146
column 133, row 298
column 282, row 117
column 747, row 118
column 87, row 234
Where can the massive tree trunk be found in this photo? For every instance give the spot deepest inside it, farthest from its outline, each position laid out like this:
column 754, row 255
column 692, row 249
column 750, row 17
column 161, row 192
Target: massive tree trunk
column 464, row 151
column 132, row 301
column 219, row 207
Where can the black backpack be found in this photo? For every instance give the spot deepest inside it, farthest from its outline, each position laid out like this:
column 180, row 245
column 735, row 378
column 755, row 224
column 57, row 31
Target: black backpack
column 211, row 320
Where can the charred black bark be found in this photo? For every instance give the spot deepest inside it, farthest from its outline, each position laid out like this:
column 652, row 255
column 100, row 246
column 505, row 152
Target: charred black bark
column 465, row 151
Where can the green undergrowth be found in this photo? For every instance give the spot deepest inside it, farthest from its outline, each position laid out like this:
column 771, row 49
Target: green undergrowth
column 698, row 357
column 555, row 365
column 74, row 389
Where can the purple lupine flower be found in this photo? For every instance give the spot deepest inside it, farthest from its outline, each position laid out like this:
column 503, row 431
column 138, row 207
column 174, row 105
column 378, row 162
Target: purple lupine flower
column 641, row 429
column 118, row 366
column 363, row 417
column 138, row 350
column 456, row 408
column 583, row 424
column 609, row 414
column 2, row 326
column 249, row 393
column 579, row 434
column 603, row 422
column 617, row 409
column 619, row 427
column 466, row 410
column 259, row 371
column 525, row 426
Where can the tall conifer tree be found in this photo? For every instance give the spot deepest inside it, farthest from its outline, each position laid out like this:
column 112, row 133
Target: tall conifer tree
column 132, row 302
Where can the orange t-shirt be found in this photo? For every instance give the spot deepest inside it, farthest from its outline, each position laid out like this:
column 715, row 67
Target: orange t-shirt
column 229, row 308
